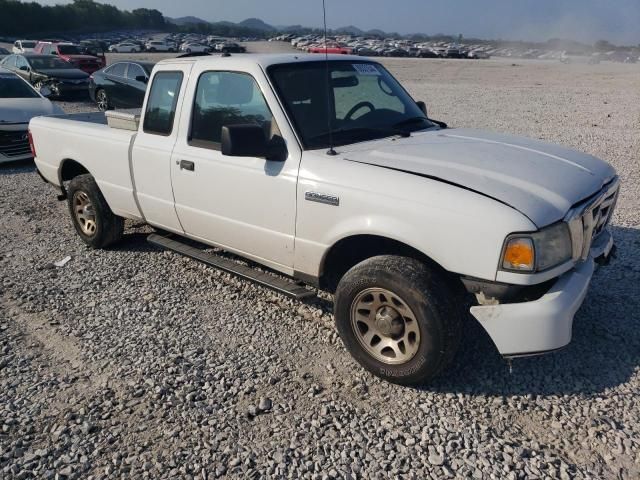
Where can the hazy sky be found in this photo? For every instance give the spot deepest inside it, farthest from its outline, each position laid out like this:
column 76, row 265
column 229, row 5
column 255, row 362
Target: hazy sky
column 584, row 20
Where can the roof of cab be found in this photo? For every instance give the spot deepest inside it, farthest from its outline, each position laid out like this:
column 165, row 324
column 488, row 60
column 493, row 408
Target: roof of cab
column 263, row 59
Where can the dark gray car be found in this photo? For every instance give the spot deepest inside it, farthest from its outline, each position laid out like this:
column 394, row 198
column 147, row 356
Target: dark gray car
column 48, row 70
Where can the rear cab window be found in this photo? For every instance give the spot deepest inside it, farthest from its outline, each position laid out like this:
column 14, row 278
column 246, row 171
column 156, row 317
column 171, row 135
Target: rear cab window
column 161, row 105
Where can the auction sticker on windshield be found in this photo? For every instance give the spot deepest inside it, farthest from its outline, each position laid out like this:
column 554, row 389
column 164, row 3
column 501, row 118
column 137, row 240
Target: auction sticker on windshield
column 366, row 69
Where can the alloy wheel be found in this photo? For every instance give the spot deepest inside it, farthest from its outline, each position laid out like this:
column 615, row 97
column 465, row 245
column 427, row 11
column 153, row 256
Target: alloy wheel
column 84, row 213
column 385, row 326
column 102, row 100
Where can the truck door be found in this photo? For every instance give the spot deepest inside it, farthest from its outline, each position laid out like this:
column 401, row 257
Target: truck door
column 245, row 205
column 152, row 147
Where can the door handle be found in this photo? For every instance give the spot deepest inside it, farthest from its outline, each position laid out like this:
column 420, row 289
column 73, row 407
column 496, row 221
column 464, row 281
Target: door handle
column 187, row 165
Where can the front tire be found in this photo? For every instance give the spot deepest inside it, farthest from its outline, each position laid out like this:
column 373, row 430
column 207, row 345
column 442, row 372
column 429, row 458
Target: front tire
column 92, row 218
column 398, row 318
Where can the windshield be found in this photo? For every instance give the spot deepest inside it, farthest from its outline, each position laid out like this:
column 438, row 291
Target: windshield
column 14, row 87
column 69, row 50
column 49, row 63
column 28, row 44
column 365, row 102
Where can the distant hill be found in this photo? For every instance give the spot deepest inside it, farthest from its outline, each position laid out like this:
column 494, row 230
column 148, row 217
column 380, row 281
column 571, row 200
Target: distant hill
column 185, row 20
column 256, row 24
column 349, row 30
column 258, row 27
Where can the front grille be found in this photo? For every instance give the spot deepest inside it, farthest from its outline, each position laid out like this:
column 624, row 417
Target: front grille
column 603, row 211
column 14, row 144
column 589, row 220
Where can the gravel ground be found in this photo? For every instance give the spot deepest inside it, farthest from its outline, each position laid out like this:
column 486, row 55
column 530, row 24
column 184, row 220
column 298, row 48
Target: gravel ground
column 138, row 363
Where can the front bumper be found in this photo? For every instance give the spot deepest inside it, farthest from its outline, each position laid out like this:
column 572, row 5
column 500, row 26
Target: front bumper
column 545, row 324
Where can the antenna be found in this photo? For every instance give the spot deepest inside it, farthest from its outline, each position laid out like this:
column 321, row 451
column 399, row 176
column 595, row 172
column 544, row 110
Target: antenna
column 331, row 151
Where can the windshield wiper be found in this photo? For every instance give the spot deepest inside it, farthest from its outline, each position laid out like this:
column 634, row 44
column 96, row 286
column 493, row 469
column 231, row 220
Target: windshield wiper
column 386, row 132
column 409, row 121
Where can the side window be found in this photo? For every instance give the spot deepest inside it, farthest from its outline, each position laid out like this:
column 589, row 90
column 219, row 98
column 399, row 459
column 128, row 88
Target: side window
column 135, row 71
column 161, row 105
column 118, row 69
column 227, row 98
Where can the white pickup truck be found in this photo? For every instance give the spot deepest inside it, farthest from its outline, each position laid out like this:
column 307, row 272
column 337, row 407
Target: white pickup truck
column 331, row 175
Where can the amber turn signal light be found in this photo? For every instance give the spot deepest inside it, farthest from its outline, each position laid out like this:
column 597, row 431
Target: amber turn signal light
column 519, row 254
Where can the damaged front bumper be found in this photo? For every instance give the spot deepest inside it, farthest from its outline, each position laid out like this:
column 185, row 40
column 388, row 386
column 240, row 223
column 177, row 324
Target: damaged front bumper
column 545, row 324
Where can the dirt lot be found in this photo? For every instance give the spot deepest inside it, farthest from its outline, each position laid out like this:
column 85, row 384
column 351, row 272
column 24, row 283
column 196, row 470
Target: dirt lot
column 137, row 363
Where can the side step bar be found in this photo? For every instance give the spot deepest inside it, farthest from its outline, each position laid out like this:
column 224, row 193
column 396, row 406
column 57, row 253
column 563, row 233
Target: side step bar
column 286, row 287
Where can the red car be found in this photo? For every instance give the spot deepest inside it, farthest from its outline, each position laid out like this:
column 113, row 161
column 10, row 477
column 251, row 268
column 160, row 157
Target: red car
column 72, row 54
column 330, row 48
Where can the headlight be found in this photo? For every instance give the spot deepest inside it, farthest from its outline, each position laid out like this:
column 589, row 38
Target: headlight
column 535, row 252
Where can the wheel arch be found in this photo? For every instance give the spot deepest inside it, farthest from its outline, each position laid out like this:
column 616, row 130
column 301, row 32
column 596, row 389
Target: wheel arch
column 68, row 170
column 347, row 252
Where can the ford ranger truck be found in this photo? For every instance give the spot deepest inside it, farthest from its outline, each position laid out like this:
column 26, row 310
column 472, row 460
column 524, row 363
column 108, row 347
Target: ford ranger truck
column 331, row 175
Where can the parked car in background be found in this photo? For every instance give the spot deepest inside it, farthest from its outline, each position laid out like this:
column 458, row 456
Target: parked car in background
column 158, row 46
column 95, row 48
column 231, row 47
column 24, row 46
column 121, row 85
column 194, row 48
column 73, row 54
column 125, row 48
column 329, row 48
column 61, row 77
column 19, row 103
column 426, row 53
column 479, row 55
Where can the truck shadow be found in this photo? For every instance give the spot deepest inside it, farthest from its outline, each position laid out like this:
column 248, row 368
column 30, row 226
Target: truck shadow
column 604, row 352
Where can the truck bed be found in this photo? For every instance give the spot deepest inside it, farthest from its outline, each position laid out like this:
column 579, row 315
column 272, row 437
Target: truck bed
column 87, row 139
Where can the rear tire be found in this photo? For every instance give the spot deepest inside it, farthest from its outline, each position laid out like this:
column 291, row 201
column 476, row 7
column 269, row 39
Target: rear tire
column 398, row 318
column 92, row 218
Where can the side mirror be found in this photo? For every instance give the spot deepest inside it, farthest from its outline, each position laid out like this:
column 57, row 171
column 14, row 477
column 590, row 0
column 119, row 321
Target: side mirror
column 24, row 68
column 250, row 141
column 142, row 78
column 422, row 106
column 45, row 91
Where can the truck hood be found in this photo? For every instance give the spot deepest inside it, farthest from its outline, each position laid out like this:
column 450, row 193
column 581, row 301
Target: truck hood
column 541, row 180
column 21, row 110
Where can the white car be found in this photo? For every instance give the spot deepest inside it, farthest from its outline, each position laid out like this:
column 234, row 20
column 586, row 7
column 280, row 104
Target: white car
column 157, row 46
column 408, row 222
column 19, row 103
column 194, row 48
column 125, row 48
column 24, row 46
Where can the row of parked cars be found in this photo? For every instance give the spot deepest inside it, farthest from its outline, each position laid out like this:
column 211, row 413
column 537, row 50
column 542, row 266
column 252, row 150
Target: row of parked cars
column 373, row 47
column 197, row 44
column 120, row 85
column 65, row 69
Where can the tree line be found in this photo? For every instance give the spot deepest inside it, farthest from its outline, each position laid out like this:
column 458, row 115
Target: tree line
column 21, row 18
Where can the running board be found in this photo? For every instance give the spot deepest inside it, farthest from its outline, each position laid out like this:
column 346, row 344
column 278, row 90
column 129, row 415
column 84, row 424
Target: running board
column 286, row 287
